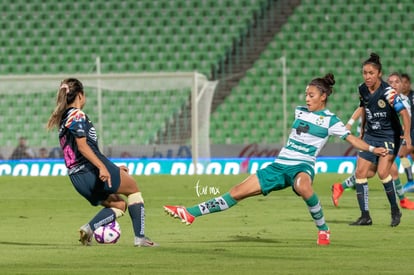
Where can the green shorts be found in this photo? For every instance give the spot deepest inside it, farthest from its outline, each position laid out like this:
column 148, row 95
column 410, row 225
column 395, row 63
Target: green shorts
column 278, row 176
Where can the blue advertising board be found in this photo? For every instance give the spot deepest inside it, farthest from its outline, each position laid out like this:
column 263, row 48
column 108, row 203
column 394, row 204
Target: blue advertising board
column 151, row 166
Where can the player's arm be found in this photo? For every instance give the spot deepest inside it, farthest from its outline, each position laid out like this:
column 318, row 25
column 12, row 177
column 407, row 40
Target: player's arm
column 362, row 145
column 87, row 152
column 355, row 116
column 397, row 103
column 406, row 124
column 363, row 122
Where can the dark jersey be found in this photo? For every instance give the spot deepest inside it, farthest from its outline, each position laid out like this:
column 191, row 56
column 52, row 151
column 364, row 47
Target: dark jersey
column 411, row 98
column 76, row 124
column 381, row 119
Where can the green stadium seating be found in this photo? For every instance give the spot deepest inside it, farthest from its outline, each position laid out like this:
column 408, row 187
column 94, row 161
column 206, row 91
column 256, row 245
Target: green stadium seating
column 48, row 37
column 320, row 37
column 136, row 36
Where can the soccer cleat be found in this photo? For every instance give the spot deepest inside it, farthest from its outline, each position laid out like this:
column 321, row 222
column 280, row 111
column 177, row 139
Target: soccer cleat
column 180, row 212
column 408, row 187
column 407, row 204
column 395, row 217
column 323, row 237
column 86, row 234
column 362, row 221
column 337, row 191
column 144, row 242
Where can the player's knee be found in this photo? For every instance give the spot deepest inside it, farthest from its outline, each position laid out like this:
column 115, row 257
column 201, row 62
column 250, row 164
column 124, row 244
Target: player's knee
column 122, row 205
column 119, row 207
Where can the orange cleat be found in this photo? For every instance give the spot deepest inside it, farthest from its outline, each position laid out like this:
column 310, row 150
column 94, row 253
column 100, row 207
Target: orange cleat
column 179, row 212
column 323, row 237
column 407, row 204
column 337, row 191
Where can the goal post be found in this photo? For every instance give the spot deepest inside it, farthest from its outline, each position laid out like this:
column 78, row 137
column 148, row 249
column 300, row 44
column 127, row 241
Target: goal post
column 149, row 104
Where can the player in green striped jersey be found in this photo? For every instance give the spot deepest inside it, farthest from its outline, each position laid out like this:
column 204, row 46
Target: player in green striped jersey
column 295, row 165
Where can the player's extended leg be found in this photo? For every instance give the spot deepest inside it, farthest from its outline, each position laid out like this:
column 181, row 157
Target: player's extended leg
column 409, row 186
column 249, row 187
column 407, row 168
column 404, row 201
column 303, row 186
column 339, row 188
column 114, row 207
column 348, row 183
column 129, row 188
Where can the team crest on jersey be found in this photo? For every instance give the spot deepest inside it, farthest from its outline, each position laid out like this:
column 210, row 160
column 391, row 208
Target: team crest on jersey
column 381, row 103
column 319, row 120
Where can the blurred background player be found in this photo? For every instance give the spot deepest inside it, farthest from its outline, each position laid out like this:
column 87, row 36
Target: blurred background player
column 394, row 80
column 408, row 92
column 294, row 166
column 22, row 151
column 92, row 174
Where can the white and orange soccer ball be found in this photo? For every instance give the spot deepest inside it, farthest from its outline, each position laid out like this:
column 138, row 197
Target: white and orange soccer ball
column 108, row 233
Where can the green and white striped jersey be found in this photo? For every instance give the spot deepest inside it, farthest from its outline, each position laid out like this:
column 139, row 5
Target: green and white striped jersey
column 309, row 134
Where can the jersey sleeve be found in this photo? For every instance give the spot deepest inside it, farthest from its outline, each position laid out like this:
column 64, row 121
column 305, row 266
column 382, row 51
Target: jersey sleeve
column 76, row 123
column 338, row 129
column 394, row 99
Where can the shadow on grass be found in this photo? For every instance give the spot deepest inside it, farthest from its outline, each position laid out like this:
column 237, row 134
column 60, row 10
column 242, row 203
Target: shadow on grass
column 239, row 238
column 26, row 244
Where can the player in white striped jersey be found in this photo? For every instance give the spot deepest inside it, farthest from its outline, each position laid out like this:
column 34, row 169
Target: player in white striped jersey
column 295, row 165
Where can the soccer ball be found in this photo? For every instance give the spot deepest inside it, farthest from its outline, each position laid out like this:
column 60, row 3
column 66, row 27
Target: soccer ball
column 108, row 233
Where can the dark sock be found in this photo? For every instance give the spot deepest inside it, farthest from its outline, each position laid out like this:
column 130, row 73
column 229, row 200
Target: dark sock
column 390, row 191
column 106, row 215
column 137, row 214
column 362, row 196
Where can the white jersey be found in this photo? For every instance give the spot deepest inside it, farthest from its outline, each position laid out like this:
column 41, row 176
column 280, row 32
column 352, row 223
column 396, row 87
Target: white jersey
column 309, row 134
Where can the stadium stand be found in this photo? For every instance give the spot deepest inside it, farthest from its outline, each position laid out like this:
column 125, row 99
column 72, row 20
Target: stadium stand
column 319, row 37
column 47, row 36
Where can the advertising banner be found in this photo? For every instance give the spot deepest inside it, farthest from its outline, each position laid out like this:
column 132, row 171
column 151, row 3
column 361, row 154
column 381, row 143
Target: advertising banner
column 150, row 166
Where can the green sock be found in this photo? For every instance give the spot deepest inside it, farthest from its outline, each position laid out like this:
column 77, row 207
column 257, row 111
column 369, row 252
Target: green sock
column 214, row 205
column 399, row 188
column 315, row 209
column 349, row 182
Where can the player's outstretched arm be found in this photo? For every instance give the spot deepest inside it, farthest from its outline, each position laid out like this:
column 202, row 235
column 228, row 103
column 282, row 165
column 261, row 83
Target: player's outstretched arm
column 362, row 145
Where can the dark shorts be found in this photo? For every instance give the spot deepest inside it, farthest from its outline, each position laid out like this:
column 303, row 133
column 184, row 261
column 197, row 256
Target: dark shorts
column 412, row 136
column 88, row 184
column 392, row 145
column 277, row 176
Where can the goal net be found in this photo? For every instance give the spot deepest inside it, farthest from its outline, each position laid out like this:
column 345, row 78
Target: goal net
column 135, row 114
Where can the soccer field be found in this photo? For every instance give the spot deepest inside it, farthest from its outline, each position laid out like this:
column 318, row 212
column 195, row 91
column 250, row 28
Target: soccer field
column 260, row 235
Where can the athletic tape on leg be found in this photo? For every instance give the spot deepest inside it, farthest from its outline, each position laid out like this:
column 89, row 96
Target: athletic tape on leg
column 135, row 198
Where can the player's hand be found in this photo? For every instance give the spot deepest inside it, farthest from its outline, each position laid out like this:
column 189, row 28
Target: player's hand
column 380, row 151
column 105, row 176
column 409, row 146
column 124, row 168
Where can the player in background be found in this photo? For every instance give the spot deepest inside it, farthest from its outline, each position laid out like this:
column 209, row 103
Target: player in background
column 294, row 166
column 381, row 126
column 394, row 80
column 407, row 91
column 93, row 175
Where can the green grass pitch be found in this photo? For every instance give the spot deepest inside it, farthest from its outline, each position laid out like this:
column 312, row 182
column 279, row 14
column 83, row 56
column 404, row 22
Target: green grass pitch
column 40, row 217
